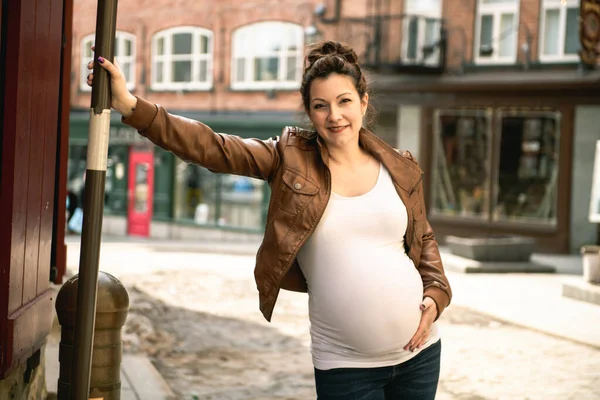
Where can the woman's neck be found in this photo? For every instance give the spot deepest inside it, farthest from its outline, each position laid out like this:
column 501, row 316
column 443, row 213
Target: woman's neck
column 349, row 156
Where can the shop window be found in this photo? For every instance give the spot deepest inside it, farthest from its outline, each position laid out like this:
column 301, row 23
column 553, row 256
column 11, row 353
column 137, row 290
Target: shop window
column 241, row 202
column 496, row 166
column 559, row 30
column 182, row 59
column 124, row 54
column 462, row 160
column 115, row 189
column 205, row 198
column 497, row 29
column 526, row 188
column 267, row 55
column 421, row 29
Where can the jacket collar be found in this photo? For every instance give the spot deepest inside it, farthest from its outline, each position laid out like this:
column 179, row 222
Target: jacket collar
column 404, row 172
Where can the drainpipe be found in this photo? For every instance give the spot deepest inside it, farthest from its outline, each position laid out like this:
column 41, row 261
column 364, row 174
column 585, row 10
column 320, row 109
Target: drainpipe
column 97, row 156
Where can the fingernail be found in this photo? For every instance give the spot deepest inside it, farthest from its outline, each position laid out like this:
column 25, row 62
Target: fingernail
column 422, row 306
column 100, row 60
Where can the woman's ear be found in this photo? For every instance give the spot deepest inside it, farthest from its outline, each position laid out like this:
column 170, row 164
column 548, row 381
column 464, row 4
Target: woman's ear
column 365, row 103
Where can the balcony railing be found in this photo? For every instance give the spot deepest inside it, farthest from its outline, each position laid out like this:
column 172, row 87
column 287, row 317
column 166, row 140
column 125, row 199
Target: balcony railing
column 402, row 43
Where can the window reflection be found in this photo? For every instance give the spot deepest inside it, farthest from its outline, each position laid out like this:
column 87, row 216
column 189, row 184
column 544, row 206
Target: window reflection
column 520, row 185
column 527, row 166
column 204, row 198
column 462, row 163
column 141, row 188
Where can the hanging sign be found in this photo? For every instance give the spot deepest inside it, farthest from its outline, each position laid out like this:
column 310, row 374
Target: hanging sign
column 589, row 31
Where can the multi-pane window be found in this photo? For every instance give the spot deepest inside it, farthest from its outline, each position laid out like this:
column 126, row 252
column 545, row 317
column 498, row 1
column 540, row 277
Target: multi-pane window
column 267, row 55
column 182, row 59
column 559, row 30
column 421, row 31
column 497, row 31
column 505, row 170
column 211, row 199
column 527, row 165
column 462, row 163
column 124, row 54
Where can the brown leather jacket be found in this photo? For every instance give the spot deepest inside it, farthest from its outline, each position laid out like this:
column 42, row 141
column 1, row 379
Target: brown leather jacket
column 295, row 167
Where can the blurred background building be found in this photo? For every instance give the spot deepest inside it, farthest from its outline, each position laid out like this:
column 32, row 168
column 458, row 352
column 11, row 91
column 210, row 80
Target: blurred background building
column 492, row 97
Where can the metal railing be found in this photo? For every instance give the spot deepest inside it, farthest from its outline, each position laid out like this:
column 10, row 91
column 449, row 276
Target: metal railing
column 400, row 43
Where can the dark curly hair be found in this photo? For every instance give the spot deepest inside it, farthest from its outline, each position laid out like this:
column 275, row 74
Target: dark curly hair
column 326, row 58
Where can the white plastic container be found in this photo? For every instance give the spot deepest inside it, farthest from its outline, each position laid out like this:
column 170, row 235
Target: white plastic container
column 591, row 263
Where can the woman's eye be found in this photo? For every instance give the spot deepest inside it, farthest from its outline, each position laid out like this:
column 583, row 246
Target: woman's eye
column 346, row 100
column 318, row 106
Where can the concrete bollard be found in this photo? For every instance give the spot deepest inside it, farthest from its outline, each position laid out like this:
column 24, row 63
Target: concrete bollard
column 111, row 312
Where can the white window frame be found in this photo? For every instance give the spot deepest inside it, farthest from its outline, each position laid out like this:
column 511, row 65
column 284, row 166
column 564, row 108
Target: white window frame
column 496, row 11
column 167, row 59
column 120, row 37
column 432, row 13
column 562, row 33
column 250, row 53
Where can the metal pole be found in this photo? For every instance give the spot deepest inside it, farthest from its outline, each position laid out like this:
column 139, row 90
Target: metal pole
column 97, row 156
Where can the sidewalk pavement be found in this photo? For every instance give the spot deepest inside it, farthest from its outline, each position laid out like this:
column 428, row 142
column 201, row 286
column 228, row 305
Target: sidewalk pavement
column 139, row 379
column 533, row 301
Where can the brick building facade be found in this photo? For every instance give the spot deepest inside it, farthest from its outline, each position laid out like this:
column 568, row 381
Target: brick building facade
column 505, row 74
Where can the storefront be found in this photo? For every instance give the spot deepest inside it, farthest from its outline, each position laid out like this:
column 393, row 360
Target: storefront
column 504, row 153
column 147, row 185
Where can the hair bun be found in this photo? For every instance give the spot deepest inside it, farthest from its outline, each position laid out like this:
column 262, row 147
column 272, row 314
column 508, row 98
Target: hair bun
column 331, row 48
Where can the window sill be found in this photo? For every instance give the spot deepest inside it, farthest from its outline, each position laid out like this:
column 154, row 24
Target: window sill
column 264, row 88
column 180, row 89
column 559, row 60
column 226, row 228
column 495, row 62
column 525, row 226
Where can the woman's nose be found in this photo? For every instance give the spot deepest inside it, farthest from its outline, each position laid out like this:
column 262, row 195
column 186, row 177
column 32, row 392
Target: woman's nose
column 334, row 114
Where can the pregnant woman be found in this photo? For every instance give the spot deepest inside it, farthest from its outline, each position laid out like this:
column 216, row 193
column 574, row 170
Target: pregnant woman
column 346, row 224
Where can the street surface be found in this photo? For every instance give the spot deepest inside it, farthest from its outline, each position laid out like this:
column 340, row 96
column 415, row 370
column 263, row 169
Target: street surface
column 196, row 315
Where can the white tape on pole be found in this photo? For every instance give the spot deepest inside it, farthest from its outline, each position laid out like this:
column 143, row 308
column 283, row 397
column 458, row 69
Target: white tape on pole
column 99, row 132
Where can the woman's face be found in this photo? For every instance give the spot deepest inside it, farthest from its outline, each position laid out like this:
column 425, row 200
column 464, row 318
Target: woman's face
column 336, row 110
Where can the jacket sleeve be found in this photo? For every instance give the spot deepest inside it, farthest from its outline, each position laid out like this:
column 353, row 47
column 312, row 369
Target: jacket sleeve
column 435, row 282
column 192, row 141
column 431, row 269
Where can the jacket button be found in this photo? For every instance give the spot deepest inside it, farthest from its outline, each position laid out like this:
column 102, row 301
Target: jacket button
column 297, row 186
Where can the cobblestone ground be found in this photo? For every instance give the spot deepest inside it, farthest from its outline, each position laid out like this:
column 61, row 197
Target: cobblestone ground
column 197, row 317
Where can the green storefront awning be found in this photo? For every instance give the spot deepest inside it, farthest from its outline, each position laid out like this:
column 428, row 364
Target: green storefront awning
column 259, row 125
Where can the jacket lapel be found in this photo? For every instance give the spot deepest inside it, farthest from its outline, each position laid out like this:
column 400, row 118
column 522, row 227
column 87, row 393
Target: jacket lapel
column 405, row 173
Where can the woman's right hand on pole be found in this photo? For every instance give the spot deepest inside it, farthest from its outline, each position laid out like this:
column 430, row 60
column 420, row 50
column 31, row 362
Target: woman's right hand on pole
column 122, row 101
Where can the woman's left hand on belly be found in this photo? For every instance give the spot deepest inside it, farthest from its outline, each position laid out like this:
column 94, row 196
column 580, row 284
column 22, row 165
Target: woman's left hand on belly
column 429, row 312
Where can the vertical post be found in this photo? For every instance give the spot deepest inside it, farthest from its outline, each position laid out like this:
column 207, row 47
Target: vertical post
column 377, row 39
column 93, row 203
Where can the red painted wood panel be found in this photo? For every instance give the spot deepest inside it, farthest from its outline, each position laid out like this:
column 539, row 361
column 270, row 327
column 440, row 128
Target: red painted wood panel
column 28, row 328
column 52, row 79
column 19, row 86
column 37, row 113
column 60, row 248
column 31, row 98
column 7, row 160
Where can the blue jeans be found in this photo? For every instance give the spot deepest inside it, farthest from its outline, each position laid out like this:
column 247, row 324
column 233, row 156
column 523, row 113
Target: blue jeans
column 415, row 379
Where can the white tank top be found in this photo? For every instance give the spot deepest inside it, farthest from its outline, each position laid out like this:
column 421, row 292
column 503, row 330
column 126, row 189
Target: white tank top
column 364, row 291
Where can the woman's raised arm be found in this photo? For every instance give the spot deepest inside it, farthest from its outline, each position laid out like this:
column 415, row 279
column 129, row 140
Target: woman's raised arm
column 190, row 140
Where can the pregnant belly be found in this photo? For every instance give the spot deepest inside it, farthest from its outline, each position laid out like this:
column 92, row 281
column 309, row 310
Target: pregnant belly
column 370, row 318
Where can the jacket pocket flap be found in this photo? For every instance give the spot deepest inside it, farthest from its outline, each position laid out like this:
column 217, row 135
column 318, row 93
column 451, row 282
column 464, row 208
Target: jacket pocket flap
column 298, row 183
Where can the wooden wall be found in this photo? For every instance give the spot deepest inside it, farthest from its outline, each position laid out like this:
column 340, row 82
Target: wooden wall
column 32, row 41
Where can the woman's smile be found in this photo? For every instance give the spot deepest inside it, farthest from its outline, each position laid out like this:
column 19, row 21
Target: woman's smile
column 337, row 129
